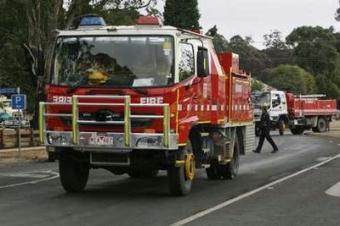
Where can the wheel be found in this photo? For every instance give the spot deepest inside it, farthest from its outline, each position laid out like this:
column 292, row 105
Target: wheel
column 133, row 173
column 321, row 125
column 212, row 171
column 230, row 170
column 281, row 127
column 297, row 130
column 73, row 173
column 181, row 177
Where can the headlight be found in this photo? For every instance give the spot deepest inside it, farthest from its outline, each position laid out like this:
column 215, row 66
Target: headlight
column 148, row 142
column 58, row 139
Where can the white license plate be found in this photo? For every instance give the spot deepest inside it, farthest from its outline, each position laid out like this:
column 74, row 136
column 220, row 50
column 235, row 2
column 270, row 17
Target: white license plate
column 101, row 140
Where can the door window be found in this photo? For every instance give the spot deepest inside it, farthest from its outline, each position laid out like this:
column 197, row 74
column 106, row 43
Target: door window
column 186, row 63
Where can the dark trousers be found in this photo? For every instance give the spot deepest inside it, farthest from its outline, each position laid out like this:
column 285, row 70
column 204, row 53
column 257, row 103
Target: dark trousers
column 265, row 134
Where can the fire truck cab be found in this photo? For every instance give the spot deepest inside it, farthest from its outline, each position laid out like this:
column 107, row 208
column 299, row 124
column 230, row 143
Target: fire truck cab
column 138, row 99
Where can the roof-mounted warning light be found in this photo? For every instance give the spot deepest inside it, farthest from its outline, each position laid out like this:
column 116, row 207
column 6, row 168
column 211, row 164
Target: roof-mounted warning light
column 92, row 20
column 149, row 20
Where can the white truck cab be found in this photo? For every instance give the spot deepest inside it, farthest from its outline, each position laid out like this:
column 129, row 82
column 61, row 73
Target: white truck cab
column 277, row 108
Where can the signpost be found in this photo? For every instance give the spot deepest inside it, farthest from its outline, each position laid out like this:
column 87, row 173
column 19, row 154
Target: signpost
column 19, row 102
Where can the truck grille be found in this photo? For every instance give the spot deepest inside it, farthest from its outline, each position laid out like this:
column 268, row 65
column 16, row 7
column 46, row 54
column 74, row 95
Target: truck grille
column 135, row 123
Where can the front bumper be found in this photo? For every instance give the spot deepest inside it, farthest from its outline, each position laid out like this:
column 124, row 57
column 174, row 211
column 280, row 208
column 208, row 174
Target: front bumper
column 126, row 140
column 110, row 141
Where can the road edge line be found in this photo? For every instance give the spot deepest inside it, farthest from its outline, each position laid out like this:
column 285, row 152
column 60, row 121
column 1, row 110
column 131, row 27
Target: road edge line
column 55, row 175
column 250, row 193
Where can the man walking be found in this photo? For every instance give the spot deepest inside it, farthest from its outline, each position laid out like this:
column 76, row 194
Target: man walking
column 265, row 131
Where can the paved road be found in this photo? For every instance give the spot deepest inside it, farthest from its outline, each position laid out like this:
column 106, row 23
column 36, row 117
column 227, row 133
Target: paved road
column 30, row 194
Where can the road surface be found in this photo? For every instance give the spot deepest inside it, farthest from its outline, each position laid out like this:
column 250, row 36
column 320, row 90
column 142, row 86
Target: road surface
column 299, row 185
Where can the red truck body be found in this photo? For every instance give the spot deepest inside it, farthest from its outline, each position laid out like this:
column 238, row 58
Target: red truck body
column 298, row 107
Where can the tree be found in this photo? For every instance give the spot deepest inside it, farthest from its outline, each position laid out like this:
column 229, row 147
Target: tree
column 256, row 85
column 292, row 78
column 337, row 14
column 277, row 51
column 219, row 41
column 274, row 40
column 251, row 59
column 182, row 14
column 316, row 50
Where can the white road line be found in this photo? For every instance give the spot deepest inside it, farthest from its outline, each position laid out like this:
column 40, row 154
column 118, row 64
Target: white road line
column 55, row 175
column 36, row 175
column 247, row 194
column 334, row 190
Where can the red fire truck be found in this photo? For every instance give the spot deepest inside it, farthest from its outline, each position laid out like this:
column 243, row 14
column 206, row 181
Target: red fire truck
column 298, row 112
column 143, row 98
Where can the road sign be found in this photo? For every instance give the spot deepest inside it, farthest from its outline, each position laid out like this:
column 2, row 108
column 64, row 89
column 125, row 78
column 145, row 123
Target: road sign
column 19, row 101
column 9, row 90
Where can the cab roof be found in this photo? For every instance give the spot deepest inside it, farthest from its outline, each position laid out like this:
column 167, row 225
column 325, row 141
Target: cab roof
column 130, row 30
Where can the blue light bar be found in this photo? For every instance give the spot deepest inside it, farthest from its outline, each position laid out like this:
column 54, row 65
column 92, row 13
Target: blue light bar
column 92, row 21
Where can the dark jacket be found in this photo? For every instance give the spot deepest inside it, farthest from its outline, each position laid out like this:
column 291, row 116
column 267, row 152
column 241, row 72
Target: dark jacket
column 265, row 121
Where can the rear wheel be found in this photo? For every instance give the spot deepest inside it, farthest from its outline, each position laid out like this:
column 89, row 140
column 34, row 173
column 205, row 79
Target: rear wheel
column 73, row 173
column 321, row 125
column 181, row 177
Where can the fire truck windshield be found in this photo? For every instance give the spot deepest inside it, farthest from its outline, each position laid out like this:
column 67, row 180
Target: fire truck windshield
column 263, row 100
column 114, row 61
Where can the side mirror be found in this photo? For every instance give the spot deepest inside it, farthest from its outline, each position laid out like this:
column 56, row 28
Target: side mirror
column 202, row 62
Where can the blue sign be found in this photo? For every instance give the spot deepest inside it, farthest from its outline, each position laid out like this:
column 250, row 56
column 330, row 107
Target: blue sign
column 19, row 101
column 8, row 90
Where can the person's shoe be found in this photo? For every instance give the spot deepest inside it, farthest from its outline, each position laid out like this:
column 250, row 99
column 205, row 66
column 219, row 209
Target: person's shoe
column 256, row 151
column 275, row 150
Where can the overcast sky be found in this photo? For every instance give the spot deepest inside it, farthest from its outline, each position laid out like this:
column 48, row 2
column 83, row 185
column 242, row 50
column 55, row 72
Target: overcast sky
column 258, row 17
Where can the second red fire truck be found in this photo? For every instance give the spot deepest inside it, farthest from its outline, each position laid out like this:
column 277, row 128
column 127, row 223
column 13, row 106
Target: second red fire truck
column 143, row 98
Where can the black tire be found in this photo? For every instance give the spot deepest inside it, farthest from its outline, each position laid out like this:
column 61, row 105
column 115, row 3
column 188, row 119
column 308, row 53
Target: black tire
column 321, row 126
column 297, row 130
column 230, row 170
column 73, row 174
column 213, row 171
column 178, row 183
column 281, row 126
column 142, row 173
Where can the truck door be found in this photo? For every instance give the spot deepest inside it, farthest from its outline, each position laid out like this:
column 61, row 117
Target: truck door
column 189, row 93
column 276, row 108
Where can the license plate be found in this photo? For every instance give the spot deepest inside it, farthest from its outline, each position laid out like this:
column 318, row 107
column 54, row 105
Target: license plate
column 101, row 140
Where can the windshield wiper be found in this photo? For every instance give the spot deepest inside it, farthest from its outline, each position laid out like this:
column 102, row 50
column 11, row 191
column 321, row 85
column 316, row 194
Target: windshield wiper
column 75, row 85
